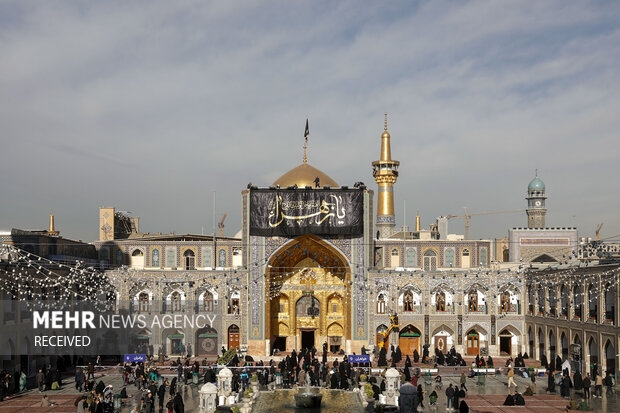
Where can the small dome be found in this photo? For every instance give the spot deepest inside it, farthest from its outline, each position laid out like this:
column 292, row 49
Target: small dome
column 304, row 175
column 536, row 185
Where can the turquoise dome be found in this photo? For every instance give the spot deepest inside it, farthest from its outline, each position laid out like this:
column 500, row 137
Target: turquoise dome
column 536, row 185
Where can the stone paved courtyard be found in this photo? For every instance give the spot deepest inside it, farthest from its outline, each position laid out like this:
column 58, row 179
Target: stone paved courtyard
column 488, row 398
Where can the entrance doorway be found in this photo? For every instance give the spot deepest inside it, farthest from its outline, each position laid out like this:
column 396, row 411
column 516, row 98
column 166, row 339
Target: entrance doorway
column 307, row 338
column 505, row 343
column 233, row 336
column 473, row 343
column 409, row 340
column 280, row 343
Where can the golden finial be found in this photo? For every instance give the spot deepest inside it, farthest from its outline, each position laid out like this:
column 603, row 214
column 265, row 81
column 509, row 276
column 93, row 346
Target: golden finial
column 385, row 128
column 306, row 134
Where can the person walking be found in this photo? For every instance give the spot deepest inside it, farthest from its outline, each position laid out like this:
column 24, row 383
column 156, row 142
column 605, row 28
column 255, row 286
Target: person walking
column 598, row 385
column 609, row 382
column 511, row 380
column 450, row 397
column 40, row 380
column 533, row 378
column 586, row 387
column 463, row 381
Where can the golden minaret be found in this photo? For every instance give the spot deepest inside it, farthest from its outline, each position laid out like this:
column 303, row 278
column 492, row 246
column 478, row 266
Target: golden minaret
column 385, row 172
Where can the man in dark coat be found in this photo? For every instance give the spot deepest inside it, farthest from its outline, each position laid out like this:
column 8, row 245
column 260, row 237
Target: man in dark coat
column 179, row 407
column 565, row 386
column 578, row 381
column 161, row 395
column 550, row 382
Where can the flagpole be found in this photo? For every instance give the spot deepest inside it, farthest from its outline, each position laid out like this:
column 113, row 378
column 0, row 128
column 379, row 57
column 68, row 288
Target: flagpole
column 306, row 134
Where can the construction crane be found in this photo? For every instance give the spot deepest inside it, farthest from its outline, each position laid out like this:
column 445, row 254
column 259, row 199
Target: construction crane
column 468, row 216
column 598, row 231
column 220, row 225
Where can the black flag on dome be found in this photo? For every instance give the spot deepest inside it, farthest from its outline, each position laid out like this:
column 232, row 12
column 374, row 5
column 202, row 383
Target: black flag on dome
column 283, row 212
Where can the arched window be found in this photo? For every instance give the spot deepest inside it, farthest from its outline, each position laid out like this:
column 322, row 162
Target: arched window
column 440, row 301
column 143, row 302
column 430, row 260
column 207, row 302
column 578, row 301
column 449, row 257
column 189, row 260
column 395, row 262
column 381, row 304
column 119, row 257
column 593, row 303
column 472, row 301
column 408, row 301
column 411, row 252
column 308, row 305
column 504, row 302
column 610, row 299
column 552, row 302
column 222, row 258
column 541, row 300
column 155, row 258
column 564, row 299
column 465, row 259
column 483, row 257
column 175, row 301
column 233, row 304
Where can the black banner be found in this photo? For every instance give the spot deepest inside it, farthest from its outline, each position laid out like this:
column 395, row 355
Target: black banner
column 292, row 212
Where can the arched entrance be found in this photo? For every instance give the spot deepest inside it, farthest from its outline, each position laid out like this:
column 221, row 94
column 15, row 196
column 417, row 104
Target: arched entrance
column 505, row 343
column 610, row 358
column 233, row 336
column 473, row 343
column 206, row 342
column 309, row 294
column 593, row 350
column 409, row 340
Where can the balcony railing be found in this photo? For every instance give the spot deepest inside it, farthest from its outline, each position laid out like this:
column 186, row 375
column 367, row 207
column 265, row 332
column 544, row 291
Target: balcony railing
column 416, row 309
column 610, row 317
column 449, row 310
column 481, row 309
column 512, row 309
column 593, row 315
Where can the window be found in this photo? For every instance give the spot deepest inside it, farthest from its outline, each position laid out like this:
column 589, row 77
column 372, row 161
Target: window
column 440, row 301
column 143, row 302
column 119, row 257
column 334, row 307
column 155, row 258
column 171, row 259
column 472, row 299
column 483, row 257
column 206, row 257
column 222, row 258
column 307, row 305
column 449, row 257
column 381, row 304
column 411, row 252
column 233, row 304
column 408, row 301
column 175, row 301
column 207, row 303
column 430, row 260
column 189, row 260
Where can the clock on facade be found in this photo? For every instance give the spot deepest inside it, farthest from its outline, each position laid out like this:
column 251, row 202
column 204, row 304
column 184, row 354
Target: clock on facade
column 537, row 203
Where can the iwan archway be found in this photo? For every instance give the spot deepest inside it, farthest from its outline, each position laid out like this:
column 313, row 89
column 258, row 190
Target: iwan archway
column 308, row 292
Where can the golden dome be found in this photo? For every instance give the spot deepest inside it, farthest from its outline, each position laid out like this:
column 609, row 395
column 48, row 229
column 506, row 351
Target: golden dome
column 304, row 175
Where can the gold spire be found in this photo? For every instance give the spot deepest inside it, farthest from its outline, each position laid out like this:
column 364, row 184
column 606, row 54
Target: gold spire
column 385, row 172
column 52, row 231
column 417, row 222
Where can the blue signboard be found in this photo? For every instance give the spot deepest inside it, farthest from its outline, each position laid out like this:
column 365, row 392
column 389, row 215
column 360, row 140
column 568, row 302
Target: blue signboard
column 365, row 358
column 134, row 358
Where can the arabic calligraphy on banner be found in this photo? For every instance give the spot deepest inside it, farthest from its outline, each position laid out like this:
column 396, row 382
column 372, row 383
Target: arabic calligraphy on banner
column 282, row 212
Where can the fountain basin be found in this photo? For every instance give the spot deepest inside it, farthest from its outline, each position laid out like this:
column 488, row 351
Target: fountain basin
column 308, row 400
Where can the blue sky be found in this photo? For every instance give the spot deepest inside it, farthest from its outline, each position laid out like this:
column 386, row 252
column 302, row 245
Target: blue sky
column 151, row 106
